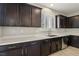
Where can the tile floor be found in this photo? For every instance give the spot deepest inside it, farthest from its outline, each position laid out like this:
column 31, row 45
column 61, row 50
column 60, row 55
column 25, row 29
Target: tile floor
column 70, row 51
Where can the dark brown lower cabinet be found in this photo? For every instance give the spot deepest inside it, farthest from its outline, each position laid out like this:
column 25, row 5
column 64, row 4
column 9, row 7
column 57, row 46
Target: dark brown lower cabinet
column 25, row 51
column 75, row 41
column 33, row 49
column 53, row 46
column 56, row 45
column 45, row 47
column 12, row 52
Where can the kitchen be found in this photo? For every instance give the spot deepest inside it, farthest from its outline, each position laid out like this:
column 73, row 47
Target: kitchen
column 39, row 29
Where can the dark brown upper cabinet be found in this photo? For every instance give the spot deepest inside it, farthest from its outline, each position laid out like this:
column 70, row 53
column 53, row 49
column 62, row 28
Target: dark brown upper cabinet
column 63, row 21
column 25, row 15
column 20, row 14
column 2, row 13
column 12, row 15
column 74, row 21
column 36, row 17
column 67, row 22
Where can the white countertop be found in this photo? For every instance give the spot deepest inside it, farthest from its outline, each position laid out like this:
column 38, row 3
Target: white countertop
column 5, row 40
column 24, row 38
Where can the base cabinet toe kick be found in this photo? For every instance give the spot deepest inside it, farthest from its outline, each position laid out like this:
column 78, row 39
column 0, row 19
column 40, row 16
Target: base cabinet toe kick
column 43, row 47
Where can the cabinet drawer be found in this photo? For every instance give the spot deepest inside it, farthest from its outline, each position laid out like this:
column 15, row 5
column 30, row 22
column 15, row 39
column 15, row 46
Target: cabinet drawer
column 26, row 44
column 34, row 50
column 45, row 41
column 12, row 52
column 12, row 46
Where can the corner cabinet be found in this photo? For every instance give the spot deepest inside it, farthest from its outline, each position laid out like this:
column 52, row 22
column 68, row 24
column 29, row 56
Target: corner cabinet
column 19, row 14
column 74, row 20
column 74, row 40
column 62, row 22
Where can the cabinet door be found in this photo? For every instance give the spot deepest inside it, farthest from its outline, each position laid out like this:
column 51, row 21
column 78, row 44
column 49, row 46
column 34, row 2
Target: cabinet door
column 75, row 41
column 25, row 51
column 25, row 15
column 75, row 21
column 70, row 22
column 12, row 52
column 56, row 45
column 67, row 23
column 53, row 46
column 2, row 13
column 45, row 48
column 12, row 14
column 34, row 50
column 63, row 21
column 36, row 17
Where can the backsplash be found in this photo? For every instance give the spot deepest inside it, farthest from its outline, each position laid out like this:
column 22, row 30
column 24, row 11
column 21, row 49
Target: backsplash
column 17, row 31
column 68, row 31
column 13, row 31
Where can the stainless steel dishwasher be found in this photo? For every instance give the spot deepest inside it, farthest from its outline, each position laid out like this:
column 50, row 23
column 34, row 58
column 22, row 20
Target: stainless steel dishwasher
column 64, row 42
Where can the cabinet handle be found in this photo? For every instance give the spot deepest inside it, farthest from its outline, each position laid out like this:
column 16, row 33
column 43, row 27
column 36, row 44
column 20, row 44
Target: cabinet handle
column 11, row 47
column 22, row 52
column 46, row 40
column 34, row 43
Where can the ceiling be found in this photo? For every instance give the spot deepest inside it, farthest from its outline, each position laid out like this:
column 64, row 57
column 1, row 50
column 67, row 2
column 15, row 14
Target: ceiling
column 66, row 8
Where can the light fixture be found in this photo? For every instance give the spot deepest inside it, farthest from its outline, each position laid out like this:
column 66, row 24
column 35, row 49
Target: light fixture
column 51, row 5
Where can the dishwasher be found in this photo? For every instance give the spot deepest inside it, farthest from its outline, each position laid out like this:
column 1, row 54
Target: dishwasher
column 64, row 42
